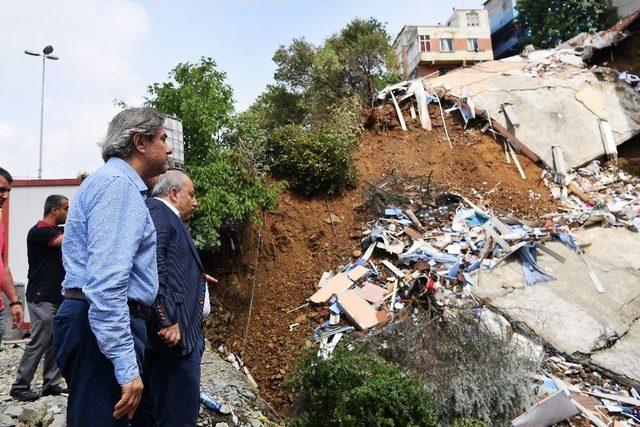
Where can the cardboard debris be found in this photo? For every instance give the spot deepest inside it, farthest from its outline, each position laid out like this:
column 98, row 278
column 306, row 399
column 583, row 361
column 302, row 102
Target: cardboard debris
column 358, row 310
column 358, row 272
column 373, row 293
column 332, row 286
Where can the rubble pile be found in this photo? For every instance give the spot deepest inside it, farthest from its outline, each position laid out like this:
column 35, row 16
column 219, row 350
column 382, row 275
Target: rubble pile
column 569, row 391
column 597, row 194
column 425, row 248
column 218, row 379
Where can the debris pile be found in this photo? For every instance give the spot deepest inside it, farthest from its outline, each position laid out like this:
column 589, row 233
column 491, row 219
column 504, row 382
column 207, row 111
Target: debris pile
column 597, row 194
column 429, row 247
column 567, row 390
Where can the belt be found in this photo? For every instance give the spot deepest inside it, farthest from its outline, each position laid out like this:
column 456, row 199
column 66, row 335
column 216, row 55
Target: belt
column 136, row 308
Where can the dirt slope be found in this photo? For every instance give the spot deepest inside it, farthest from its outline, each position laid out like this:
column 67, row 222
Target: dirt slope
column 297, row 245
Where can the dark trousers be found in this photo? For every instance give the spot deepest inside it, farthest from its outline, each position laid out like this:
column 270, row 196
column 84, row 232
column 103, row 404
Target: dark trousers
column 171, row 396
column 93, row 389
column 39, row 347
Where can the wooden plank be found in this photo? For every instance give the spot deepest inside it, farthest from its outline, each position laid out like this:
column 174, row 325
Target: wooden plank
column 552, row 253
column 332, row 286
column 395, row 270
column 357, row 309
column 592, row 275
column 516, row 161
column 516, row 142
column 400, row 118
column 358, row 272
column 412, row 216
column 416, row 235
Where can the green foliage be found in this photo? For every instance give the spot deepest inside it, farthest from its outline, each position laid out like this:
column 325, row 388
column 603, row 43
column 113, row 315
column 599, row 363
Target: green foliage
column 311, row 134
column 387, row 79
column 200, row 97
column 224, row 153
column 549, row 22
column 353, row 389
column 227, row 191
column 469, row 422
column 318, row 158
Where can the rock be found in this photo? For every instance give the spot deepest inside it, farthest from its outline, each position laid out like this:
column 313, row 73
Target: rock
column 32, row 413
column 60, row 420
column 222, row 425
column 48, row 419
column 13, row 411
column 6, row 421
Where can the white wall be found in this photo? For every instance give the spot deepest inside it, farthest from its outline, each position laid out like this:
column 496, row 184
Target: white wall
column 501, row 12
column 26, row 205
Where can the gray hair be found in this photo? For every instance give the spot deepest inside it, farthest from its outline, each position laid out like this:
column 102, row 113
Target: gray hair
column 124, row 126
column 173, row 178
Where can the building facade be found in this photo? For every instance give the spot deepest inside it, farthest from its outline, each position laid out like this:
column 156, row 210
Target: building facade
column 505, row 34
column 175, row 138
column 425, row 49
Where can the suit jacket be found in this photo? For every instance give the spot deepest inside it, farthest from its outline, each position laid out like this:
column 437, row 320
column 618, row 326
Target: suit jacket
column 181, row 280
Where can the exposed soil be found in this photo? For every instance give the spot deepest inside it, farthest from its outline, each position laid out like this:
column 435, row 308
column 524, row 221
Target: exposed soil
column 297, row 244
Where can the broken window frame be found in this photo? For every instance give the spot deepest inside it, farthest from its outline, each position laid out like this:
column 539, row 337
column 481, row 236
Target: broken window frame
column 446, row 45
column 425, row 43
column 472, row 44
column 473, row 19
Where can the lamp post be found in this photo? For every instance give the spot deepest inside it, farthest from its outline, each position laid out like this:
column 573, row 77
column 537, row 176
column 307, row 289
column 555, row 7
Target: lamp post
column 46, row 54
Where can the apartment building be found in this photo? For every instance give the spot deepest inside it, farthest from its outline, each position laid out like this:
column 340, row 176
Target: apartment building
column 465, row 39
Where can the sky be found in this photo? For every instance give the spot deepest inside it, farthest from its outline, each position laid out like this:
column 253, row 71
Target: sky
column 114, row 49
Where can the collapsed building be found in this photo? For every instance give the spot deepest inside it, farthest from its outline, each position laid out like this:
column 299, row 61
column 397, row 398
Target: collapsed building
column 570, row 279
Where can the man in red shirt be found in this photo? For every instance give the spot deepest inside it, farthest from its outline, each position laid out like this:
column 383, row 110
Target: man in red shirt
column 6, row 279
column 44, row 295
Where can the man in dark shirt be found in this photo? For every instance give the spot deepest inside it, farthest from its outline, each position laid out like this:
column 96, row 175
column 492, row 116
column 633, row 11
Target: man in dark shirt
column 44, row 295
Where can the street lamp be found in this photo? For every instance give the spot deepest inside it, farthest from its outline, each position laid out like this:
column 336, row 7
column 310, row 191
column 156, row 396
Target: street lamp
column 46, row 54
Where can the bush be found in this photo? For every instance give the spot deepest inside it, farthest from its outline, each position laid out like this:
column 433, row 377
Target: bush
column 227, row 190
column 318, row 157
column 354, row 389
column 469, row 371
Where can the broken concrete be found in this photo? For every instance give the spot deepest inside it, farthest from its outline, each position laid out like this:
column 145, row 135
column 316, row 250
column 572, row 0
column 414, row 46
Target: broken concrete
column 569, row 313
column 559, row 107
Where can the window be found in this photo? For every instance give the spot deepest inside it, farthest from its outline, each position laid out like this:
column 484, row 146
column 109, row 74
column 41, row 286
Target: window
column 472, row 45
column 425, row 43
column 473, row 19
column 446, row 45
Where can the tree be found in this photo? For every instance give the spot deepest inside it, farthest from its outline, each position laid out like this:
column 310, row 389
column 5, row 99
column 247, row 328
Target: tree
column 309, row 113
column 345, row 65
column 223, row 152
column 548, row 22
column 200, row 97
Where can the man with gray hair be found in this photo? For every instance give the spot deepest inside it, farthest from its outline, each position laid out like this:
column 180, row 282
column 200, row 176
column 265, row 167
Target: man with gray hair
column 175, row 337
column 109, row 254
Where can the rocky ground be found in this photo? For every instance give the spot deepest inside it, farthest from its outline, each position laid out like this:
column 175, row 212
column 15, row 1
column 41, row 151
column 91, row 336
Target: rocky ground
column 219, row 379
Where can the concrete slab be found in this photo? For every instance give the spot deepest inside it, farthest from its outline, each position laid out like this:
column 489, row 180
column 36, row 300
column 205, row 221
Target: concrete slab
column 568, row 313
column 562, row 107
column 622, row 358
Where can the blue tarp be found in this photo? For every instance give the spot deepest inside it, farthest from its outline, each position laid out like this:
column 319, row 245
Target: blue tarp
column 567, row 239
column 533, row 273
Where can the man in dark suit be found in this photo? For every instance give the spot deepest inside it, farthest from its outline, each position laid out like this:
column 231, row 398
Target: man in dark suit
column 175, row 343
